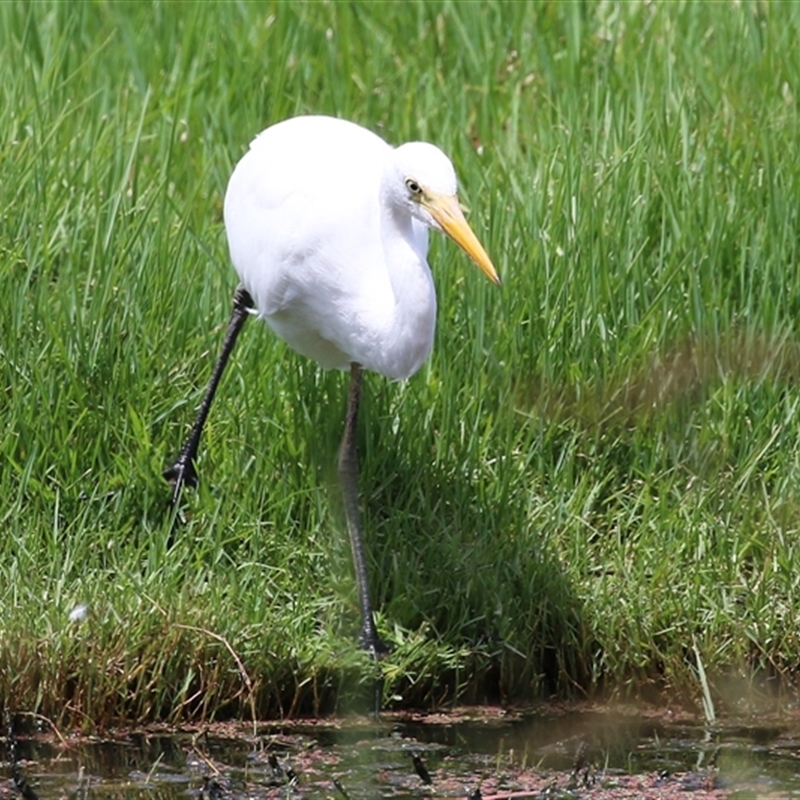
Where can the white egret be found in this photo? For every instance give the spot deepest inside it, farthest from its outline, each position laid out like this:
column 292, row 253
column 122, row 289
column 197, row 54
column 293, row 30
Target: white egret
column 327, row 227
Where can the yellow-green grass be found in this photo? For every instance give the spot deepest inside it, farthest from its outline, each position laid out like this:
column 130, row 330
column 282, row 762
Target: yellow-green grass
column 593, row 480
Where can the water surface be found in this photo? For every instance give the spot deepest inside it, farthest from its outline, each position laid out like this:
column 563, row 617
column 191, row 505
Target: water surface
column 582, row 754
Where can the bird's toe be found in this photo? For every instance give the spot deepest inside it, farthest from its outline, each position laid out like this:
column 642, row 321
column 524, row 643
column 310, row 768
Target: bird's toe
column 374, row 645
column 181, row 473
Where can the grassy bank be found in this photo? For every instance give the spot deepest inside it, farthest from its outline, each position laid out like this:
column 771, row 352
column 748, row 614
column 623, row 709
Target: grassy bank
column 593, row 480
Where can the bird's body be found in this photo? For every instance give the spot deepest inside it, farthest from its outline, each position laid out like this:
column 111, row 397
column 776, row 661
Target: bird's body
column 329, row 270
column 327, row 228
column 332, row 258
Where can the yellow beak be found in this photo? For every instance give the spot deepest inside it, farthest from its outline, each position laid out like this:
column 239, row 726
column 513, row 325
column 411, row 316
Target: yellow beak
column 446, row 211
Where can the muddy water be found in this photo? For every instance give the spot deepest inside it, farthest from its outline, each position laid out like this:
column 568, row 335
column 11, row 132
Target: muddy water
column 575, row 754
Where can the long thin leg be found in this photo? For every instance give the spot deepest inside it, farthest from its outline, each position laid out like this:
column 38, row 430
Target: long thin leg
column 183, row 471
column 348, row 475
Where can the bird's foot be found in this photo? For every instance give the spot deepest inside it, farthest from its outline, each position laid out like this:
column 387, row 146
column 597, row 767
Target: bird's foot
column 370, row 641
column 181, row 473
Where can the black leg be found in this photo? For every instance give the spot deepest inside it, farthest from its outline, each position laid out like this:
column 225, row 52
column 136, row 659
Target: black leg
column 348, row 475
column 183, row 471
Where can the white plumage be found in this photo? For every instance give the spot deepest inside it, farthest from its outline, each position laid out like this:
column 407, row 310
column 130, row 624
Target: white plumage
column 331, row 243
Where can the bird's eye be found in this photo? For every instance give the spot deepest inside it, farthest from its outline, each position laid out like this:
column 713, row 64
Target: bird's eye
column 413, row 186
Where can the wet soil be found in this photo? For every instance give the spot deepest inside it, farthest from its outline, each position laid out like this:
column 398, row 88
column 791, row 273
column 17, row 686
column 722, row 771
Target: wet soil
column 489, row 753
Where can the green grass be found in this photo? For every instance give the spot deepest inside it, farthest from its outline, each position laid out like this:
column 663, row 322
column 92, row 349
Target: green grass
column 592, row 483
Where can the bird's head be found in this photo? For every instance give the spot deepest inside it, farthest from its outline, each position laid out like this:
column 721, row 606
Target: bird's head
column 424, row 183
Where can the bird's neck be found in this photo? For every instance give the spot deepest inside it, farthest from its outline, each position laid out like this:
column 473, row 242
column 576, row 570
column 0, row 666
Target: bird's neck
column 414, row 314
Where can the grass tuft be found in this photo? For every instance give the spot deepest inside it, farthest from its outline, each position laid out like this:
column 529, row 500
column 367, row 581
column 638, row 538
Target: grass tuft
column 592, row 484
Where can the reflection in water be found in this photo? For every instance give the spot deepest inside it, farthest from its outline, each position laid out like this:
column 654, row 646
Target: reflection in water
column 577, row 751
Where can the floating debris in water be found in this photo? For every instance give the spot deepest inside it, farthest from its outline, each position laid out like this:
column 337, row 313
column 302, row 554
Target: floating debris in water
column 338, row 784
column 422, row 771
column 20, row 781
column 224, row 762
